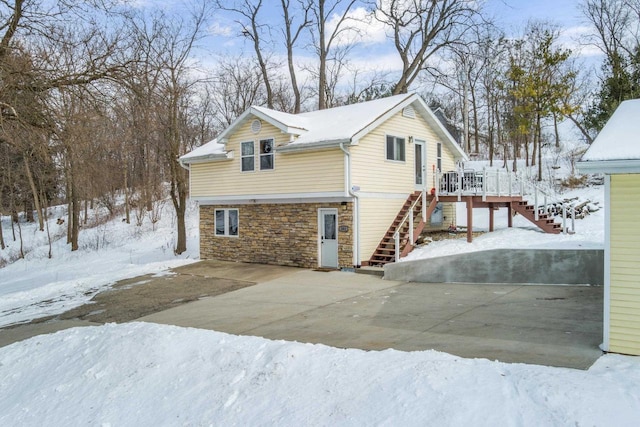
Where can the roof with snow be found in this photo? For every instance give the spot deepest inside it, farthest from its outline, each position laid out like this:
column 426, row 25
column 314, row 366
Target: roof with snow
column 616, row 149
column 330, row 127
column 210, row 151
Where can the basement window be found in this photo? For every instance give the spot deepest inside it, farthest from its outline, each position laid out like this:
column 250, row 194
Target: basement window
column 226, row 222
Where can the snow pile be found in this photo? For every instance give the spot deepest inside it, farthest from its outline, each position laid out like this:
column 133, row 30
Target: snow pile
column 37, row 286
column 144, row 374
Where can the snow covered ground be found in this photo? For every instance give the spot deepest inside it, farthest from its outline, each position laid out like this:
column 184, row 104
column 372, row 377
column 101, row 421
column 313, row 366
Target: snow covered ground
column 37, row 286
column 142, row 374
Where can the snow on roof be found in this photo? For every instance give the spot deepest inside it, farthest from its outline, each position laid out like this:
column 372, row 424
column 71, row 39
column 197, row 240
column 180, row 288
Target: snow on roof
column 342, row 123
column 210, row 149
column 620, row 137
column 326, row 127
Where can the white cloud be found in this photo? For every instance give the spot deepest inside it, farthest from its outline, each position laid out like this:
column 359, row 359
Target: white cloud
column 218, row 29
column 361, row 27
column 575, row 38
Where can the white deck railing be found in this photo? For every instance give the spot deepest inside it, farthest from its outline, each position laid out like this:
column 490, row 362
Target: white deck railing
column 470, row 182
column 500, row 182
column 486, row 182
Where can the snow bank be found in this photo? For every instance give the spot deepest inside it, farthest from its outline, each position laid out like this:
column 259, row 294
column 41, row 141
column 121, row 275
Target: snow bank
column 145, row 374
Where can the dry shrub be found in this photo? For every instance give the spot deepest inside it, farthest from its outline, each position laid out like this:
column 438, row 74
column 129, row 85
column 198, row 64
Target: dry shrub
column 574, row 181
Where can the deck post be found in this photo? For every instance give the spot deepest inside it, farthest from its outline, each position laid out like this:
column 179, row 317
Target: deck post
column 509, row 215
column 484, row 184
column 469, row 200
column 411, row 226
column 396, row 238
column 490, row 217
column 424, row 204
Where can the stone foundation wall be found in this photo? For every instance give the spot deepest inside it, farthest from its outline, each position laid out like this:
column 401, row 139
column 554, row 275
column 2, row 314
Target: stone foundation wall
column 281, row 234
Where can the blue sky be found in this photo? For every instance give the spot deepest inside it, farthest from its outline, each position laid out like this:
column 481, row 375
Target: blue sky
column 511, row 15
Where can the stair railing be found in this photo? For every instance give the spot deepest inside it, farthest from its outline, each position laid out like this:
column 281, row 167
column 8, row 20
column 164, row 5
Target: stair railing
column 568, row 209
column 533, row 188
column 408, row 216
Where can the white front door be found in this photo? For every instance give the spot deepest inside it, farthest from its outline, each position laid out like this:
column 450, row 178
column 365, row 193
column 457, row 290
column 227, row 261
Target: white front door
column 420, row 162
column 328, row 236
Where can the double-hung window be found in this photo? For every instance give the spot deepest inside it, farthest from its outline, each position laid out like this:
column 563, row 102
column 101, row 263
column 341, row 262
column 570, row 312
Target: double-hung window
column 395, row 148
column 266, row 154
column 439, row 156
column 226, row 222
column 247, row 156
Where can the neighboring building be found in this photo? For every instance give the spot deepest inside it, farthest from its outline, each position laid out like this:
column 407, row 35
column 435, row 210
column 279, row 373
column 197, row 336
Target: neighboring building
column 616, row 153
column 317, row 189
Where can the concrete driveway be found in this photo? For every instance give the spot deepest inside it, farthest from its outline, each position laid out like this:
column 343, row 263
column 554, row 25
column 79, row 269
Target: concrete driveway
column 548, row 325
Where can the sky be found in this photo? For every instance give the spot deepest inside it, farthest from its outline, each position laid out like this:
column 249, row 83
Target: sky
column 376, row 52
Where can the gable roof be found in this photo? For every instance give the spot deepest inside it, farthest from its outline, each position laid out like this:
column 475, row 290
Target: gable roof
column 333, row 126
column 616, row 149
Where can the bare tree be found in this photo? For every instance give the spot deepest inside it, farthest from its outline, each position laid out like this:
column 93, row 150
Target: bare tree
column 325, row 38
column 252, row 29
column 173, row 41
column 422, row 28
column 292, row 32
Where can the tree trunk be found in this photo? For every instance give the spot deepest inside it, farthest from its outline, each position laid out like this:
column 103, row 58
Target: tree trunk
column 1, row 235
column 322, row 72
column 127, row 206
column 525, row 140
column 475, row 121
column 555, row 129
column 539, row 131
column 75, row 209
column 34, row 192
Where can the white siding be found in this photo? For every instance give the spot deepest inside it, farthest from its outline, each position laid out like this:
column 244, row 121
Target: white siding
column 307, row 172
column 624, row 257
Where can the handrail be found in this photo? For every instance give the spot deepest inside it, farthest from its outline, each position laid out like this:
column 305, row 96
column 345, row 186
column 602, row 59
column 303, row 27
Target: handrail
column 408, row 215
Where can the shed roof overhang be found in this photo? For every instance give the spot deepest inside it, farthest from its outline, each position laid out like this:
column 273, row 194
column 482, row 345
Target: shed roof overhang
column 623, row 166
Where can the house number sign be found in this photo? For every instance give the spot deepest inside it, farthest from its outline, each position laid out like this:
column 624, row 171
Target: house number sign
column 343, row 228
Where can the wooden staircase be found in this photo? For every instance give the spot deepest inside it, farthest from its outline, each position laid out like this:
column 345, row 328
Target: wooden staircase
column 544, row 221
column 386, row 251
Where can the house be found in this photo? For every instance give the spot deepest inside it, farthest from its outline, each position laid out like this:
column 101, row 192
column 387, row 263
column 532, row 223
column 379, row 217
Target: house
column 616, row 153
column 322, row 188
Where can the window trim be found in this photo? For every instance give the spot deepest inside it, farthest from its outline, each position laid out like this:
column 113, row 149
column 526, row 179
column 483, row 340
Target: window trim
column 242, row 157
column 226, row 222
column 395, row 141
column 272, row 154
column 439, row 156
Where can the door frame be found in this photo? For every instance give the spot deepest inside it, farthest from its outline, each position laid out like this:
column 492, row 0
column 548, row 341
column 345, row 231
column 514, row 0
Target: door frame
column 422, row 143
column 321, row 212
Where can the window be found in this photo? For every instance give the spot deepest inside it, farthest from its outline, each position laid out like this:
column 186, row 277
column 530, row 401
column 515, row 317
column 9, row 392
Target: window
column 247, row 156
column 266, row 154
column 439, row 156
column 226, row 222
column 395, row 148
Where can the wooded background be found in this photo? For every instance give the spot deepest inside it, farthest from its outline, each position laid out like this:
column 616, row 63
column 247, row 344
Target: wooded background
column 99, row 98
